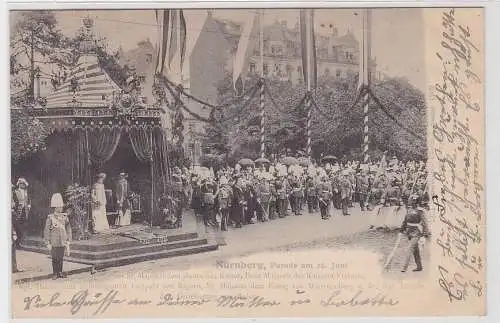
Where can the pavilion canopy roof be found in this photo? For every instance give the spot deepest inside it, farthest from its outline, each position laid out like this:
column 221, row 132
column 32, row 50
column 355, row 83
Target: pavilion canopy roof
column 87, row 85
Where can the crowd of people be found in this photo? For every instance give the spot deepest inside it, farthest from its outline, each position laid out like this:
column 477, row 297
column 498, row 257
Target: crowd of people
column 258, row 193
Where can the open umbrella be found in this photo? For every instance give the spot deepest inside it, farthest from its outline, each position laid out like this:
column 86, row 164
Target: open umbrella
column 245, row 162
column 303, row 161
column 329, row 159
column 262, row 161
column 289, row 161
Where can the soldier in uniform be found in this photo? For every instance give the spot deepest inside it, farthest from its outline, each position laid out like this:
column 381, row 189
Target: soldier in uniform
column 324, row 193
column 238, row 203
column 297, row 195
column 394, row 192
column 224, row 198
column 251, row 202
column 57, row 235
column 336, row 195
column 379, row 189
column 209, row 189
column 197, row 197
column 272, row 200
column 363, row 187
column 414, row 226
column 345, row 191
column 263, row 197
column 282, row 197
column 312, row 196
column 22, row 207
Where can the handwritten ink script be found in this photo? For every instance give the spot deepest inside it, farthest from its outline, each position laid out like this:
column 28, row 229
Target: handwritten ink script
column 100, row 302
column 458, row 196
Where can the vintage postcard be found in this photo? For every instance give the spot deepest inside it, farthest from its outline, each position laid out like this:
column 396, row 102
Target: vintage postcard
column 247, row 162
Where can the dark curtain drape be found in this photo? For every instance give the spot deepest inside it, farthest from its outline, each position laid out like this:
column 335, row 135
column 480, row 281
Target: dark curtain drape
column 97, row 145
column 102, row 143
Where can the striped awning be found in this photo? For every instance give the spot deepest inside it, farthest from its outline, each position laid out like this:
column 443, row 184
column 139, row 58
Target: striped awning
column 87, row 86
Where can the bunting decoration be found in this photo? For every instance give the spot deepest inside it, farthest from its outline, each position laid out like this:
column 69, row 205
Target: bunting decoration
column 171, row 44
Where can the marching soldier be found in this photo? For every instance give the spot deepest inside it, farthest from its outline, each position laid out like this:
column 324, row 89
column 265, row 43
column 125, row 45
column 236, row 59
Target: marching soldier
column 297, row 195
column 345, row 191
column 363, row 187
column 272, row 200
column 263, row 194
column 414, row 226
column 238, row 203
column 336, row 195
column 312, row 195
column 197, row 198
column 394, row 192
column 324, row 193
column 379, row 189
column 282, row 197
column 224, row 200
column 209, row 189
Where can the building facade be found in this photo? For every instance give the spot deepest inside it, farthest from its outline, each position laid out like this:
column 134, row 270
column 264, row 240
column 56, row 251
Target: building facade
column 337, row 55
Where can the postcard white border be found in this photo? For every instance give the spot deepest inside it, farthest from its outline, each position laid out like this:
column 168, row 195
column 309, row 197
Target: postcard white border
column 492, row 124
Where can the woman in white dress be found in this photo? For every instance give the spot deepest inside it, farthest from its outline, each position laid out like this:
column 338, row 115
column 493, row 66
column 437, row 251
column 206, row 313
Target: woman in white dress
column 99, row 205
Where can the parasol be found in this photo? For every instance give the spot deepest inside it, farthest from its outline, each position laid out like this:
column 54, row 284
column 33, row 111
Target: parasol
column 329, row 159
column 288, row 161
column 262, row 161
column 303, row 161
column 245, row 162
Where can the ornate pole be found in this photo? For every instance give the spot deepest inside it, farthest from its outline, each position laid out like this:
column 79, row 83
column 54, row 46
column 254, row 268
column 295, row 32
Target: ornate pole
column 309, row 47
column 262, row 106
column 365, row 79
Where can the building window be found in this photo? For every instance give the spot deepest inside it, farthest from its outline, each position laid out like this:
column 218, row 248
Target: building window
column 252, row 67
column 289, row 70
column 327, row 72
column 299, row 69
column 276, row 49
column 265, row 69
column 338, row 73
column 149, row 58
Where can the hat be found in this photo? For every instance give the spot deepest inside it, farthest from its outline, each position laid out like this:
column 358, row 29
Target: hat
column 22, row 180
column 56, row 200
column 101, row 175
column 123, row 174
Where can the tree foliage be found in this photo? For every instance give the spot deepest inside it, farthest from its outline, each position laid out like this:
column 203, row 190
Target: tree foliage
column 336, row 124
column 28, row 135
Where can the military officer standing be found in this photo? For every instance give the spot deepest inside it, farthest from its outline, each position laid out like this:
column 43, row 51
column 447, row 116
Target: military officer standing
column 324, row 193
column 414, row 226
column 57, row 235
column 224, row 197
column 238, row 203
column 263, row 197
column 363, row 187
column 345, row 191
column 312, row 196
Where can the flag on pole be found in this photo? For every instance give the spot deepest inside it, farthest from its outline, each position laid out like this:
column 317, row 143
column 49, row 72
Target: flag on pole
column 246, row 46
column 308, row 43
column 197, row 20
column 171, row 43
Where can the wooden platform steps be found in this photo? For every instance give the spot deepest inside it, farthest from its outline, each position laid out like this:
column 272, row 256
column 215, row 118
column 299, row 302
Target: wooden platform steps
column 113, row 250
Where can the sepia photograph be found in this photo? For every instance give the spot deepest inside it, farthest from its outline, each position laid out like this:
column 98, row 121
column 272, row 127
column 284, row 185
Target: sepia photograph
column 247, row 162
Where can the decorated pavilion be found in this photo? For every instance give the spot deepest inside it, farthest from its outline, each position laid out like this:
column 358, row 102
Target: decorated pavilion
column 97, row 126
